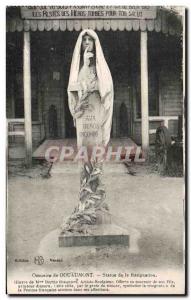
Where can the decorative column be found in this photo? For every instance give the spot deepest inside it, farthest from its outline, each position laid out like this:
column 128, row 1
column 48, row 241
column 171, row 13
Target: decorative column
column 27, row 98
column 144, row 93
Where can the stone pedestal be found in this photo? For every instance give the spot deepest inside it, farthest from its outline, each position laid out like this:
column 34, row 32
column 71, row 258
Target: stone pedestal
column 91, row 223
column 97, row 235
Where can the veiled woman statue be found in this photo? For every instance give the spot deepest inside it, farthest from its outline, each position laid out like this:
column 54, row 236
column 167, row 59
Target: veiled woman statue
column 90, row 98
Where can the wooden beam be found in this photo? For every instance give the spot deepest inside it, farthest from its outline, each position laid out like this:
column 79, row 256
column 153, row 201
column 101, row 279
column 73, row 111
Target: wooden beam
column 159, row 118
column 16, row 120
column 144, row 93
column 27, row 98
column 11, row 133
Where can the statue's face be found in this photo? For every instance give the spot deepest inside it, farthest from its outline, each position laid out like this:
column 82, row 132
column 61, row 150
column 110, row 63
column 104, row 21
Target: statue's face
column 87, row 41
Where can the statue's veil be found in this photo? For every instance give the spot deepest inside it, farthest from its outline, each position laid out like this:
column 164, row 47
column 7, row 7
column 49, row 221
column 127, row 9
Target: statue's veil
column 105, row 83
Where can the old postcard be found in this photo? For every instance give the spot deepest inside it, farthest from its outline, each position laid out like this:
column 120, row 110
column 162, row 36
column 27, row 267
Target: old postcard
column 95, row 150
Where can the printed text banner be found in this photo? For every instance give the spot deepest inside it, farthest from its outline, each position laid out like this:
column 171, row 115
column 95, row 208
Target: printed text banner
column 88, row 12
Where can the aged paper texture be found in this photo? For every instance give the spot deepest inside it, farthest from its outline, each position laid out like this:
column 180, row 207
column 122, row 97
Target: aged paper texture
column 95, row 150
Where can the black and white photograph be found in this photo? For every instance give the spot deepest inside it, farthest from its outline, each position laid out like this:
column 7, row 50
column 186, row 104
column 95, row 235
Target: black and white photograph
column 95, row 150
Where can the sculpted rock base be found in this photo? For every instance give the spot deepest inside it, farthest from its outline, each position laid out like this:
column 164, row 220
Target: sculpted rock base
column 91, row 223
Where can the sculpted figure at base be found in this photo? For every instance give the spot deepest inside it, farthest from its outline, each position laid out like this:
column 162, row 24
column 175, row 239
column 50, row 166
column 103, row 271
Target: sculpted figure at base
column 90, row 98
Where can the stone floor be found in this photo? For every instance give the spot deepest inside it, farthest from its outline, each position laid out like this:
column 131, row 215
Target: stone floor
column 150, row 205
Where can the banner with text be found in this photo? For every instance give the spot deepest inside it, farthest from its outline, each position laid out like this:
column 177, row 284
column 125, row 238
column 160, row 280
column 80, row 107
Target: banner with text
column 90, row 12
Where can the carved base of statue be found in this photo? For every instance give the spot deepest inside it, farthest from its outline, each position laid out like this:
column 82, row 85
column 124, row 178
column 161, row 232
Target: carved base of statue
column 91, row 223
column 92, row 208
